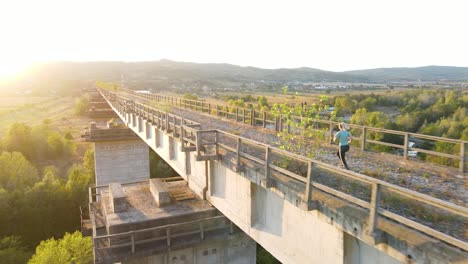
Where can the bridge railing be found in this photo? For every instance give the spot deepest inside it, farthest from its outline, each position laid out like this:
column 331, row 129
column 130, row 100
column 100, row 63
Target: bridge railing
column 276, row 164
column 398, row 139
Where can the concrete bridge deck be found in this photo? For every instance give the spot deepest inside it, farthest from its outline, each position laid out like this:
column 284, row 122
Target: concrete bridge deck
column 281, row 207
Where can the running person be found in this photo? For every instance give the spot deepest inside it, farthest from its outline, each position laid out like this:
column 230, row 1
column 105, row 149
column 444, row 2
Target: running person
column 344, row 138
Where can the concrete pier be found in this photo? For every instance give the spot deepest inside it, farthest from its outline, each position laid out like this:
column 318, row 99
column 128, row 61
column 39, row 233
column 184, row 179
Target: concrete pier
column 119, row 154
column 184, row 229
column 121, row 161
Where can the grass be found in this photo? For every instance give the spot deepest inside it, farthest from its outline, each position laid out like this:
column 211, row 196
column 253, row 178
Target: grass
column 33, row 110
column 58, row 110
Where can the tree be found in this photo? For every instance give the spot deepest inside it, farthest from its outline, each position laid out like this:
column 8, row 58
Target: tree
column 262, row 101
column 77, row 185
column 16, row 172
column 18, row 138
column 13, row 251
column 88, row 161
column 72, row 248
column 82, row 104
column 344, row 105
column 284, row 89
column 190, row 96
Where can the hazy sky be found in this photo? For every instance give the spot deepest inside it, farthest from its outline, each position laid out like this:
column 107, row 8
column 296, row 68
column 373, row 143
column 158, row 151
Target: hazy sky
column 326, row 34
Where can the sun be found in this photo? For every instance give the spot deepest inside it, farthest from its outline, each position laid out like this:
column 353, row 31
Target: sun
column 11, row 68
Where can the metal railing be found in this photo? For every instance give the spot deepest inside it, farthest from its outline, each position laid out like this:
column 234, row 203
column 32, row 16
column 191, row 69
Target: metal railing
column 269, row 120
column 267, row 158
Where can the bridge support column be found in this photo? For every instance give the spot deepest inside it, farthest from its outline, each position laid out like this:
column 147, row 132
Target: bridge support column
column 121, row 161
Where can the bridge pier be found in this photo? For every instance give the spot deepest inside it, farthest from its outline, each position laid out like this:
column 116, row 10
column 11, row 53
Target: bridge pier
column 121, row 161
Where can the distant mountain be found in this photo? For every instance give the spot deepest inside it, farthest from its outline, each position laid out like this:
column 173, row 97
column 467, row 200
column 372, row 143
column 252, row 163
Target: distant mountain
column 164, row 74
column 428, row 73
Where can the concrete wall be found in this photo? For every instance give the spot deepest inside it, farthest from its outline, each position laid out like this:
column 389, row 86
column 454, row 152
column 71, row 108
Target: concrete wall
column 289, row 233
column 237, row 249
column 358, row 252
column 121, row 161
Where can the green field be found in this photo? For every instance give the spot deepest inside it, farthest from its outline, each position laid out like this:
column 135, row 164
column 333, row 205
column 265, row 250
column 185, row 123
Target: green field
column 34, row 110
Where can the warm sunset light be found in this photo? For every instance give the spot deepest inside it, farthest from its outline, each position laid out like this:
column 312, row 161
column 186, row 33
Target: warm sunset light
column 330, row 35
column 241, row 131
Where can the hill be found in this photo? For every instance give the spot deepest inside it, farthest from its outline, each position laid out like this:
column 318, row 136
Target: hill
column 166, row 74
column 428, row 73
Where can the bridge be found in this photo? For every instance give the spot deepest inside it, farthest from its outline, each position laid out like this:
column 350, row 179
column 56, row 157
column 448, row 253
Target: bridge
column 237, row 192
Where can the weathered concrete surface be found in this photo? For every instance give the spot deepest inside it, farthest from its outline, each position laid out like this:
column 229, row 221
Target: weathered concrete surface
column 117, row 198
column 160, row 192
column 289, row 233
column 358, row 252
column 218, row 245
column 121, row 161
column 231, row 250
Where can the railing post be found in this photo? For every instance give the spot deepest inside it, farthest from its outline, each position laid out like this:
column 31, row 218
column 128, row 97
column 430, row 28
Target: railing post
column 217, row 110
column 168, row 236
column 167, row 123
column 198, row 146
column 405, row 148
column 264, row 119
column 202, row 231
column 238, row 157
column 252, row 117
column 280, row 123
column 363, row 138
column 237, row 114
column 267, row 167
column 209, row 109
column 374, row 206
column 307, row 196
column 132, row 237
column 243, row 116
column 462, row 156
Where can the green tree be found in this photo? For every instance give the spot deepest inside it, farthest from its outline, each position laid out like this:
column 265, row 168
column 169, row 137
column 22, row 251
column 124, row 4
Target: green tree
column 262, row 101
column 16, row 172
column 284, row 89
column 18, row 138
column 82, row 104
column 77, row 185
column 344, row 106
column 190, row 96
column 72, row 248
column 13, row 251
column 88, row 161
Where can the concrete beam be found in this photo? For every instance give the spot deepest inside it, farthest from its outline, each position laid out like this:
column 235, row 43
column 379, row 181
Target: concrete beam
column 160, row 191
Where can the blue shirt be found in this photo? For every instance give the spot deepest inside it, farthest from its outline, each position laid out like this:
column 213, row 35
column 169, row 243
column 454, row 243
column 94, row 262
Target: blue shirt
column 343, row 137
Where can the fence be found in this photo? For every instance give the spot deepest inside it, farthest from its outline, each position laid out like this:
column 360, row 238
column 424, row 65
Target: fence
column 269, row 120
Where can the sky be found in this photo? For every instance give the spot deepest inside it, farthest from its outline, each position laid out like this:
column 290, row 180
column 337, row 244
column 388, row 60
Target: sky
column 334, row 35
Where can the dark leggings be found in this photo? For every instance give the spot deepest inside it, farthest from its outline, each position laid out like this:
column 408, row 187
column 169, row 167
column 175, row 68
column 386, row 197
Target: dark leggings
column 341, row 154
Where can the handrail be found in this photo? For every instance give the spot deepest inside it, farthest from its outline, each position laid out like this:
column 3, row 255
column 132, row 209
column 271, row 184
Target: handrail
column 375, row 184
column 188, row 103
